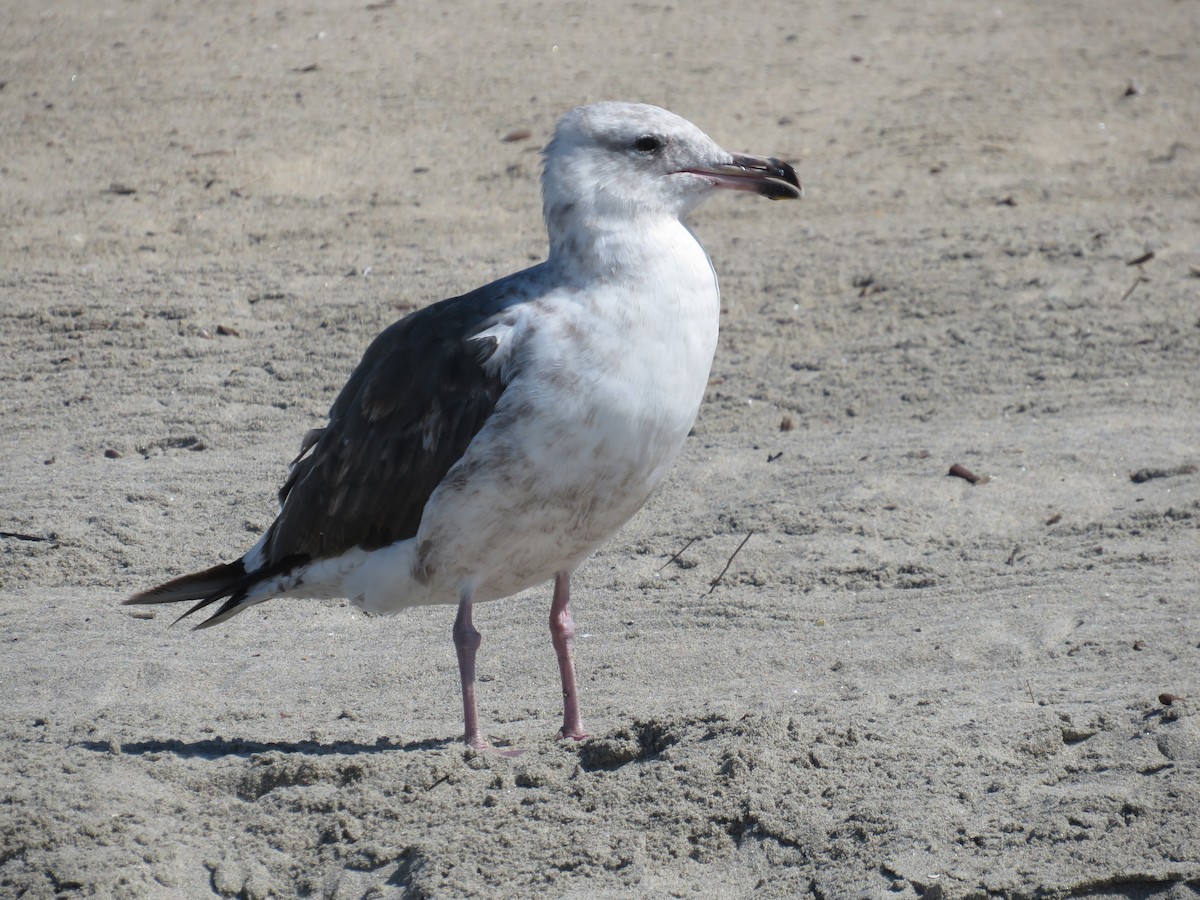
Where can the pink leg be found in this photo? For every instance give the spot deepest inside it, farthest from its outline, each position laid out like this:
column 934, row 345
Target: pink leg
column 562, row 633
column 466, row 642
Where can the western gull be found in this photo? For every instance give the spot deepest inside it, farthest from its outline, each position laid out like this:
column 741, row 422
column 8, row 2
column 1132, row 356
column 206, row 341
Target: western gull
column 490, row 442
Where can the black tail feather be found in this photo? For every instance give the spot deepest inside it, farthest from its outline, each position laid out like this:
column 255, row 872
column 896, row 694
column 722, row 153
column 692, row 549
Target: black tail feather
column 228, row 605
column 226, row 580
column 214, row 582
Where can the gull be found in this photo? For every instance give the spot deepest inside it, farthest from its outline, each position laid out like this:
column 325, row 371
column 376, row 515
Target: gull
column 490, row 442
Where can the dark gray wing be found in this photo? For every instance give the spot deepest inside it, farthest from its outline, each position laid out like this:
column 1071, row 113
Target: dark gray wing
column 416, row 400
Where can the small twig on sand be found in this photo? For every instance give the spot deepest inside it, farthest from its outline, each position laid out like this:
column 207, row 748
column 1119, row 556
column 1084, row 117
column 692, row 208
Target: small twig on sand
column 713, row 584
column 961, row 471
column 1141, row 276
column 21, row 536
column 237, row 191
column 677, row 555
column 1129, row 290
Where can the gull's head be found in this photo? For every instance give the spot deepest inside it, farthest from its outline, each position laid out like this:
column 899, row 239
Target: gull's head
column 632, row 160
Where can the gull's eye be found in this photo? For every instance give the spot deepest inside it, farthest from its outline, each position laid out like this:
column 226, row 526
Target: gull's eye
column 648, row 143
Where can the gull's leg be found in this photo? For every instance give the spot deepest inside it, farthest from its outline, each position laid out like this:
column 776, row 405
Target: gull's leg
column 466, row 642
column 562, row 633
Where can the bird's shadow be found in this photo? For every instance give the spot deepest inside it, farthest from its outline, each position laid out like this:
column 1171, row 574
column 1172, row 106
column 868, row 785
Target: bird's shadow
column 215, row 748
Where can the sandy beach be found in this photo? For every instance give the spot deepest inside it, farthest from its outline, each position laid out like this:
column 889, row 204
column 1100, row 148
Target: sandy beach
column 904, row 684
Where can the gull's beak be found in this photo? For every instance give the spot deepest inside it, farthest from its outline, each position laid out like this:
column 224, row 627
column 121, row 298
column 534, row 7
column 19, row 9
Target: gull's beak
column 773, row 178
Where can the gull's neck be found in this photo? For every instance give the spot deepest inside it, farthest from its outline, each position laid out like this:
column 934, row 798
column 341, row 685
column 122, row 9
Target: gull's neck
column 588, row 244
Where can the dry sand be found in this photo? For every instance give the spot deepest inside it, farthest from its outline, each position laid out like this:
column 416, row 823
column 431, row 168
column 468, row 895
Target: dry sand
column 904, row 685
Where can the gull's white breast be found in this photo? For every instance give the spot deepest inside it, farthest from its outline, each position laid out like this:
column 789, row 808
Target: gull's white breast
column 605, row 388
